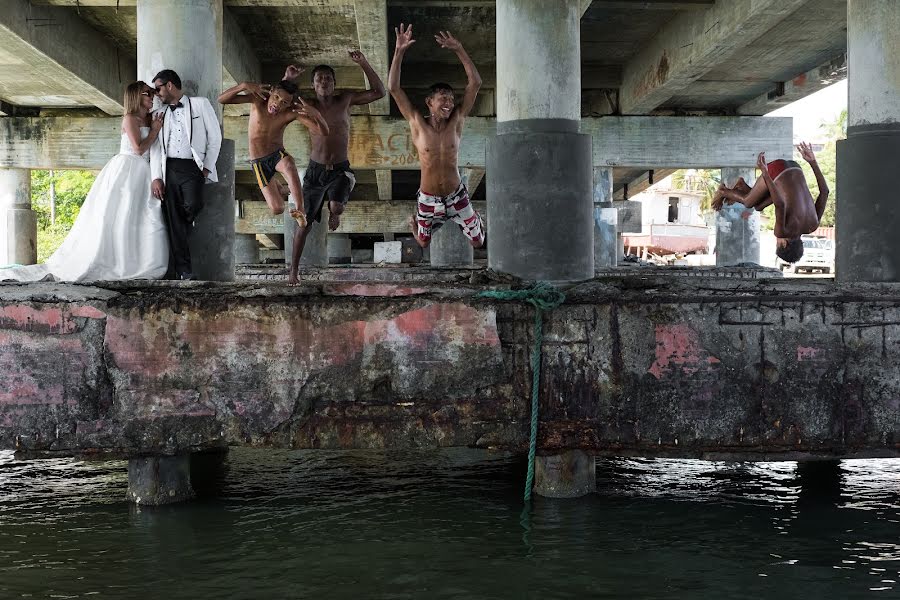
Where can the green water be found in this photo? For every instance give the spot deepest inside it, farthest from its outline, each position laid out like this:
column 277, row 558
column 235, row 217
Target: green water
column 277, row 524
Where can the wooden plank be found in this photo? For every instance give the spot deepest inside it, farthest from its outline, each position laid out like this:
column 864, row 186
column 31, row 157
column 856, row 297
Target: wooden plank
column 376, row 217
column 691, row 45
column 385, row 184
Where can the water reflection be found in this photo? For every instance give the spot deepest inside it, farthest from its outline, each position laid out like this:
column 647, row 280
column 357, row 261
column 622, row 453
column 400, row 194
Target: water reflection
column 446, row 525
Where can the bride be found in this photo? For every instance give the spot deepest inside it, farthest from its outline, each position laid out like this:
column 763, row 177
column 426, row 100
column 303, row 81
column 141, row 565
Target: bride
column 120, row 232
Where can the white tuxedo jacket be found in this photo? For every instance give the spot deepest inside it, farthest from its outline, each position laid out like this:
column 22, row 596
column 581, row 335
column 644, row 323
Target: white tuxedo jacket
column 204, row 133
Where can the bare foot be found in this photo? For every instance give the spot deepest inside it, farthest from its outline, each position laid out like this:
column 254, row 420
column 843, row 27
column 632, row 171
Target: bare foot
column 719, row 197
column 300, row 216
column 414, row 229
column 334, row 221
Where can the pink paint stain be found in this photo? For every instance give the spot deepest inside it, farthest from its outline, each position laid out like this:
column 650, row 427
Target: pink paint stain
column 678, row 348
column 808, row 354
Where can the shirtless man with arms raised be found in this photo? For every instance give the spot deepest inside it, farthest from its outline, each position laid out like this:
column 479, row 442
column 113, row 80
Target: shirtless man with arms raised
column 328, row 173
column 272, row 109
column 782, row 183
column 442, row 195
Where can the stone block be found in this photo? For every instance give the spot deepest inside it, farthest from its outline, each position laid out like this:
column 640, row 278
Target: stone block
column 388, row 252
column 630, row 216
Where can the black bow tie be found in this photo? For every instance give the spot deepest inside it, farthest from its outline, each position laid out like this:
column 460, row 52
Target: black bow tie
column 174, row 106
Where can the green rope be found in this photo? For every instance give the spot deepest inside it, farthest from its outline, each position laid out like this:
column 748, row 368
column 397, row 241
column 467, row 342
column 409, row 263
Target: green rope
column 542, row 296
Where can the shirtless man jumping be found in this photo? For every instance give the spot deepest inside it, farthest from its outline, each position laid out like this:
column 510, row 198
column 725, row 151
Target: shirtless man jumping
column 272, row 110
column 328, row 173
column 782, row 183
column 442, row 195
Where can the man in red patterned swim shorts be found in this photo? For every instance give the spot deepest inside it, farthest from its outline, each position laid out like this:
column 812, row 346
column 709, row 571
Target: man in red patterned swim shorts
column 782, row 183
column 442, row 195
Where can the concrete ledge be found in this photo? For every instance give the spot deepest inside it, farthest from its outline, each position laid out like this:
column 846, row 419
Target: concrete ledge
column 646, row 366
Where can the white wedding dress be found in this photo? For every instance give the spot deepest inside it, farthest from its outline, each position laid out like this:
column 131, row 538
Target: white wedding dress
column 119, row 233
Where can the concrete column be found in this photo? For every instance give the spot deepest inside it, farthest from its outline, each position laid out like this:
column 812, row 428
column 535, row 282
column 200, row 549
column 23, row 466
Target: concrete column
column 868, row 214
column 568, row 475
column 605, row 219
column 212, row 241
column 449, row 247
column 186, row 36
column 160, row 480
column 18, row 223
column 737, row 238
column 339, row 246
column 539, row 165
column 246, row 249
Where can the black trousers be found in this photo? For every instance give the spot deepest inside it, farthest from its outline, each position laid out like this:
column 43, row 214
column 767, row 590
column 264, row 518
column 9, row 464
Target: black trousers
column 183, row 200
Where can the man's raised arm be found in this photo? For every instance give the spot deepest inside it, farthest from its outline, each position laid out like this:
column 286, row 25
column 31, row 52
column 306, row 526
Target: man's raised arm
column 404, row 41
column 446, row 40
column 377, row 90
column 244, row 93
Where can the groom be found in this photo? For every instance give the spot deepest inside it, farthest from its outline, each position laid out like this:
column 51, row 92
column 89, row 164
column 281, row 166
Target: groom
column 182, row 159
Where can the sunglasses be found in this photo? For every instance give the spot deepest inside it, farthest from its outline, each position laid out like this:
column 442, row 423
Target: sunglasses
column 148, row 93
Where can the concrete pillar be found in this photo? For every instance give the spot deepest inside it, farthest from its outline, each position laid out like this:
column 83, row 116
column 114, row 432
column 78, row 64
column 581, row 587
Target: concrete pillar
column 539, row 165
column 868, row 214
column 315, row 252
column 18, row 223
column 737, row 238
column 450, row 247
column 339, row 246
column 246, row 249
column 568, row 475
column 606, row 239
column 186, row 36
column 212, row 241
column 159, row 480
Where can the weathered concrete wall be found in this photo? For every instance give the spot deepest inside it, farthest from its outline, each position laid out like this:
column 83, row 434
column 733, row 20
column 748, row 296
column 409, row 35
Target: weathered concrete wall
column 632, row 365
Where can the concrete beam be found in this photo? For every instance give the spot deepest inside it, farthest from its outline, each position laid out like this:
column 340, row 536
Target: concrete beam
column 797, row 88
column 655, row 4
column 372, row 32
column 384, row 142
column 693, row 142
column 692, row 44
column 360, row 216
column 56, row 43
column 239, row 59
column 641, row 183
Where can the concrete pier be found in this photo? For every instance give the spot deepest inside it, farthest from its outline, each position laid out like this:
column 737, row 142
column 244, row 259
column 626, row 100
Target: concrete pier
column 187, row 36
column 18, row 223
column 606, row 241
column 246, row 249
column 339, row 248
column 737, row 234
column 450, row 248
column 568, row 475
column 868, row 213
column 539, row 165
column 157, row 480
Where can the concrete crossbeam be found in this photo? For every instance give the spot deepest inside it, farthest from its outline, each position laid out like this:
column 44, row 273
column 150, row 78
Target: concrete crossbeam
column 688, row 142
column 693, row 43
column 360, row 216
column 239, row 59
column 384, row 142
column 372, row 32
column 57, row 44
column 797, row 88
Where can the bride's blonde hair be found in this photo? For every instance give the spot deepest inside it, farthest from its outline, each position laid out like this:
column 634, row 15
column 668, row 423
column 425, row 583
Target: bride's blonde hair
column 133, row 97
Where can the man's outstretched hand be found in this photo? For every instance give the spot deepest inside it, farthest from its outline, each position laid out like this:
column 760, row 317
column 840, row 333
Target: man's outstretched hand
column 404, row 38
column 446, row 40
column 806, row 152
column 292, row 72
column 357, row 57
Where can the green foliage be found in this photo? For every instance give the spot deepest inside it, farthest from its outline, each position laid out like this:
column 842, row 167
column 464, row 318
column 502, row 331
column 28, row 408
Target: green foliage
column 72, row 188
column 705, row 181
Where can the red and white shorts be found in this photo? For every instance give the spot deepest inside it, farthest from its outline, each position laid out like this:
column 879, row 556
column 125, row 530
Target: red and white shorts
column 433, row 211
